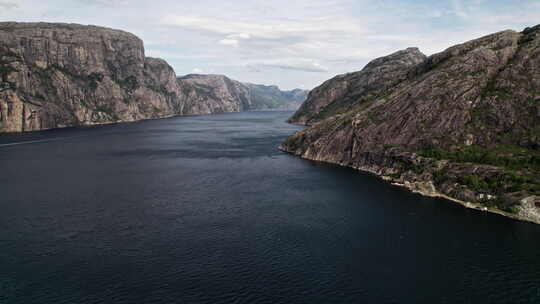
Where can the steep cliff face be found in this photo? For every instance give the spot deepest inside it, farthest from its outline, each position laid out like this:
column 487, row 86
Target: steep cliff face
column 271, row 97
column 464, row 123
column 205, row 94
column 56, row 75
column 344, row 92
column 218, row 93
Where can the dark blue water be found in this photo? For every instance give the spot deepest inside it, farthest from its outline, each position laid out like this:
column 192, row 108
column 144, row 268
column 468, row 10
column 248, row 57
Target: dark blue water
column 207, row 210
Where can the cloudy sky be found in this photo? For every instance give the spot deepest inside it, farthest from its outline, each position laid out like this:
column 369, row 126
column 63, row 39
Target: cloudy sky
column 290, row 43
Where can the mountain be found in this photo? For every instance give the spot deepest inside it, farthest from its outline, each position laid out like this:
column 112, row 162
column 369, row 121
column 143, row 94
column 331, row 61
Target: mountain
column 56, row 75
column 463, row 124
column 271, row 97
column 218, row 93
column 206, row 94
column 342, row 92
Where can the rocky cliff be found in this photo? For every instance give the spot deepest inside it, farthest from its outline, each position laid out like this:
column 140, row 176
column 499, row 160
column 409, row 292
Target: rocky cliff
column 271, row 97
column 343, row 92
column 218, row 93
column 205, row 94
column 56, row 75
column 463, row 124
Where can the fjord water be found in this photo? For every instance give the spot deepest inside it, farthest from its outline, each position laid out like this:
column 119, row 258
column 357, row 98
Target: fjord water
column 205, row 209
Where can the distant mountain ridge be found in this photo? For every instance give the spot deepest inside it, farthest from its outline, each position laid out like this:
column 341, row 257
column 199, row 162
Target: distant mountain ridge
column 271, row 97
column 206, row 94
column 217, row 93
column 56, row 75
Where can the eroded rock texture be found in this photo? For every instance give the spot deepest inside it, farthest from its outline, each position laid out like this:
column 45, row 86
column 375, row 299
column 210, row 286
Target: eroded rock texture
column 271, row 97
column 464, row 123
column 343, row 92
column 207, row 94
column 56, row 75
column 217, row 93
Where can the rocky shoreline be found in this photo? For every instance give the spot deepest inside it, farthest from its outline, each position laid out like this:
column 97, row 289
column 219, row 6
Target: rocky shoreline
column 413, row 187
column 462, row 124
column 526, row 211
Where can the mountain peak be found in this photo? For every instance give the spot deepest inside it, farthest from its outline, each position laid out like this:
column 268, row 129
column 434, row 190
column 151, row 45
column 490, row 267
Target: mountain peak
column 462, row 123
column 352, row 88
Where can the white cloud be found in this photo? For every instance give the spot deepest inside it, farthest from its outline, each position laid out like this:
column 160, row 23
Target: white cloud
column 243, row 36
column 268, row 29
column 304, row 65
column 198, row 71
column 458, row 8
column 284, row 42
column 104, row 2
column 179, row 55
column 8, row 4
column 232, row 42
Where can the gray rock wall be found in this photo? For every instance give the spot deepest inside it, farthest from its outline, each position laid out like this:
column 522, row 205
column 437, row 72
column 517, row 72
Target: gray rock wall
column 466, row 120
column 57, row 75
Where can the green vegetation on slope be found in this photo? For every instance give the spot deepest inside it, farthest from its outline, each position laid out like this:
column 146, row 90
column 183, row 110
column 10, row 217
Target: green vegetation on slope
column 506, row 156
column 521, row 167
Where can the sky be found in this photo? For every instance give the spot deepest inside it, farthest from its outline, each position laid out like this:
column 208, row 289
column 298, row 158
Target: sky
column 289, row 43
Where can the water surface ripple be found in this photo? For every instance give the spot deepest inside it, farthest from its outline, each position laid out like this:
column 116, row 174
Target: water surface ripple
column 206, row 210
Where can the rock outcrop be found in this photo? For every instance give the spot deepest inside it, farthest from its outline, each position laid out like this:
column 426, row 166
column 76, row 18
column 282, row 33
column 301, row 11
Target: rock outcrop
column 343, row 92
column 57, row 75
column 206, row 94
column 463, row 124
column 218, row 93
column 272, row 98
